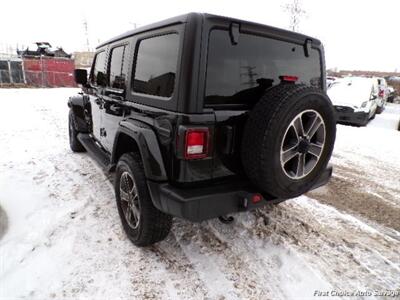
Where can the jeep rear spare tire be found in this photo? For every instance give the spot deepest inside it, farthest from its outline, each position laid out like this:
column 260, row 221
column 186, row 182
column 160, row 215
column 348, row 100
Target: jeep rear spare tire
column 288, row 139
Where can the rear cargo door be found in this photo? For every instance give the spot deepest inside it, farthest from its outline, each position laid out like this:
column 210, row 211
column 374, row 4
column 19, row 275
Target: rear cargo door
column 239, row 71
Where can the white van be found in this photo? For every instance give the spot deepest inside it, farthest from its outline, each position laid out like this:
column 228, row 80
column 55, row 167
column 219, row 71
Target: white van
column 355, row 99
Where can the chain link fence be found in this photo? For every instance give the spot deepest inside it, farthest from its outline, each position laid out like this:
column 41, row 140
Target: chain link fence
column 49, row 72
column 37, row 71
column 11, row 71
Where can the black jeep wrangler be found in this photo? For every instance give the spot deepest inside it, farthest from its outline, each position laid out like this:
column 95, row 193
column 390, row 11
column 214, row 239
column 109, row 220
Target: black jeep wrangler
column 201, row 116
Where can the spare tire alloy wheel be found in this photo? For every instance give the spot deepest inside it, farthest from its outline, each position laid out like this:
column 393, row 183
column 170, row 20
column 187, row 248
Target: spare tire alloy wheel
column 302, row 144
column 129, row 200
column 291, row 130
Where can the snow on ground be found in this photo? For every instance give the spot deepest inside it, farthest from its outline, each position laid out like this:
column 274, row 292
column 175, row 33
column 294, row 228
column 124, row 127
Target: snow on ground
column 60, row 234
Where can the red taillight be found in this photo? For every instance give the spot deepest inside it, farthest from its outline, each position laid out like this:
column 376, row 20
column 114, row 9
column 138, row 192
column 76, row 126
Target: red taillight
column 256, row 198
column 196, row 143
column 288, row 78
column 381, row 93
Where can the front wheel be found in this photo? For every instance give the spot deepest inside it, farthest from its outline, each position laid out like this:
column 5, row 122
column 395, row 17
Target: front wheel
column 74, row 143
column 143, row 223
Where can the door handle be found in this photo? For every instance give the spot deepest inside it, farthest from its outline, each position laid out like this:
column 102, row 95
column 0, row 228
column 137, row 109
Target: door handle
column 116, row 97
column 114, row 109
column 115, row 94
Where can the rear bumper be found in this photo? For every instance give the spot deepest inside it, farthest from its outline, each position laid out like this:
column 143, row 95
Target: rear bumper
column 349, row 116
column 198, row 204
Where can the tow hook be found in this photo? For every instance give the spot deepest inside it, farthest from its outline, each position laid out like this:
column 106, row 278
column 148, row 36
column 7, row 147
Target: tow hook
column 226, row 219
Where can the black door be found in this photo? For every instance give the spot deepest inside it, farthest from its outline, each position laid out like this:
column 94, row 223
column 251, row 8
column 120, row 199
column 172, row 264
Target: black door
column 114, row 95
column 97, row 85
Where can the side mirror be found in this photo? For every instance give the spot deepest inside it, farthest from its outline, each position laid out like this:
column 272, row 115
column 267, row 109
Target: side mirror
column 373, row 97
column 80, row 76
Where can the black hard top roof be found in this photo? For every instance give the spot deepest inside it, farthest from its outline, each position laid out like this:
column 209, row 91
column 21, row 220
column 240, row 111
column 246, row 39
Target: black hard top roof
column 184, row 18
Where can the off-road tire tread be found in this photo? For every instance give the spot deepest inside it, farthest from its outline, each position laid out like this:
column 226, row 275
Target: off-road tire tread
column 155, row 224
column 74, row 143
column 261, row 124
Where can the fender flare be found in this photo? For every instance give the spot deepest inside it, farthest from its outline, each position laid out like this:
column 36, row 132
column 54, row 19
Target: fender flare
column 77, row 105
column 148, row 146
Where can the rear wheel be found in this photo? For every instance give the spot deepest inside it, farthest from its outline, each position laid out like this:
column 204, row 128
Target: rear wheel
column 143, row 223
column 288, row 140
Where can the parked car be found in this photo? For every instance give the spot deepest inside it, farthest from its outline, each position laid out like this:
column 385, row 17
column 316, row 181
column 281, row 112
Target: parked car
column 201, row 116
column 354, row 99
column 392, row 94
column 330, row 80
column 383, row 95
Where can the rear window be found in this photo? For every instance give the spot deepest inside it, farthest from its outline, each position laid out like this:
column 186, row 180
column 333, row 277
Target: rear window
column 239, row 74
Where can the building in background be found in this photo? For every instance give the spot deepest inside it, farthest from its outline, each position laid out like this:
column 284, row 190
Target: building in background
column 83, row 60
column 47, row 66
column 391, row 77
column 39, row 65
column 45, row 71
column 343, row 73
column 44, row 49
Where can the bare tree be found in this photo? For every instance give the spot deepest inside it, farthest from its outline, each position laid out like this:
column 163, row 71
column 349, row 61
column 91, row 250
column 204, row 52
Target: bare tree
column 296, row 12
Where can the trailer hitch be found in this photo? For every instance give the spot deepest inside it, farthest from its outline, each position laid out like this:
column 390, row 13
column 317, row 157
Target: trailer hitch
column 226, row 219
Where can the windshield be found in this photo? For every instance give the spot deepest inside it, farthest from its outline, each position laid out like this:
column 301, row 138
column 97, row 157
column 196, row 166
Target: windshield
column 239, row 74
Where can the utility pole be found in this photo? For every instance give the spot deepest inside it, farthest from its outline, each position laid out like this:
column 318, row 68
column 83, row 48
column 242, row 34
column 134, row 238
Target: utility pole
column 250, row 74
column 296, row 12
column 135, row 25
column 42, row 69
column 85, row 26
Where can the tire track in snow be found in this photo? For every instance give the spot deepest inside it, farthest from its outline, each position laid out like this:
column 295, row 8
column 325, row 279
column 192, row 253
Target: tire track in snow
column 98, row 183
column 338, row 245
column 275, row 265
column 203, row 253
column 182, row 274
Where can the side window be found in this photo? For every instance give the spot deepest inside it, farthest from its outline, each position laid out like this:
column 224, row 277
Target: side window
column 118, row 68
column 156, row 65
column 99, row 69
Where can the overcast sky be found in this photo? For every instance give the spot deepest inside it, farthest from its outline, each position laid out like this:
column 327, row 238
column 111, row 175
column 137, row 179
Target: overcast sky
column 356, row 34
